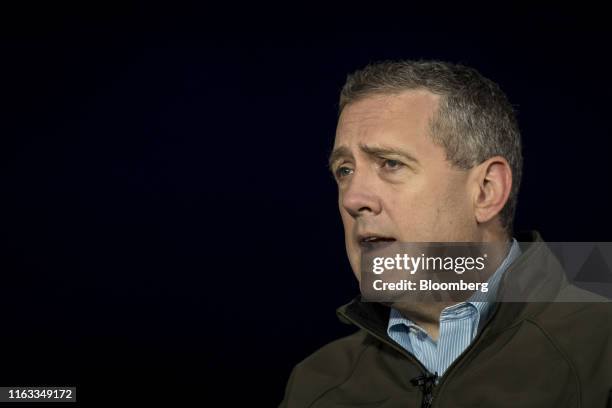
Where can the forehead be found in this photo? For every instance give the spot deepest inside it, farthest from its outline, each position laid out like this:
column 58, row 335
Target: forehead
column 402, row 117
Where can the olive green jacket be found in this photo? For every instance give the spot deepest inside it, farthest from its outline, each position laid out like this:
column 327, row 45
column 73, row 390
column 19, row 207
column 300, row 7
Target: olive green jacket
column 528, row 354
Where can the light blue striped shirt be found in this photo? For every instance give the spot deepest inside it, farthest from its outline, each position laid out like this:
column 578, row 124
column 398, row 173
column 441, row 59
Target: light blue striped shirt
column 459, row 325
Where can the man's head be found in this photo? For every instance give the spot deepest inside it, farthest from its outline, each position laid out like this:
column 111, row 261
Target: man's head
column 425, row 151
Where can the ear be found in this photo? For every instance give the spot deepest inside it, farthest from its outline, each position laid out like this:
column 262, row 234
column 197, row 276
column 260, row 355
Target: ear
column 492, row 181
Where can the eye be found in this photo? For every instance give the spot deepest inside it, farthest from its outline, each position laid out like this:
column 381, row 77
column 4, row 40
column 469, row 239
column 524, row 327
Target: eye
column 391, row 164
column 343, row 171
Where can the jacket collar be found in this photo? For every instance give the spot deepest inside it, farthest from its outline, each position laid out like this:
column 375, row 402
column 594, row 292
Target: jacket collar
column 535, row 274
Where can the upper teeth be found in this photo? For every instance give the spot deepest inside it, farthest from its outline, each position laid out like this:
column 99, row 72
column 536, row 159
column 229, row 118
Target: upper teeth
column 368, row 239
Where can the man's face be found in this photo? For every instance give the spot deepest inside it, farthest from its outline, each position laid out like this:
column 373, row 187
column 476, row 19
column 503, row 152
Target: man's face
column 394, row 182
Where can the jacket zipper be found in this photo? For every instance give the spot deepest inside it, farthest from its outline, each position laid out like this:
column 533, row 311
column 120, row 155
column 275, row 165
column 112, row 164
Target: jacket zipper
column 426, row 383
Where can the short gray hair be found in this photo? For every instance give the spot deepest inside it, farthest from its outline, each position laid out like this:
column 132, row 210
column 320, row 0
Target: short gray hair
column 475, row 120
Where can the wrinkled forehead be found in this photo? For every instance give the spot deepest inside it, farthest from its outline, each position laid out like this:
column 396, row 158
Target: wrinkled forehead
column 386, row 118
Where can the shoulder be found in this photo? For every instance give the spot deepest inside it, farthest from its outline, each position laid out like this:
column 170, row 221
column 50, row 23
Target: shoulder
column 336, row 357
column 577, row 306
column 325, row 369
column 581, row 311
column 581, row 332
column 582, row 335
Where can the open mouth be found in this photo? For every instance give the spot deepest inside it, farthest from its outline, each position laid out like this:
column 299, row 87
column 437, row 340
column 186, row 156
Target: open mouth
column 375, row 241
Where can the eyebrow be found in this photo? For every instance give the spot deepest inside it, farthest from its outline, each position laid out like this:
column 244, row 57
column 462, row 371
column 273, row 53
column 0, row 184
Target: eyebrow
column 337, row 154
column 344, row 152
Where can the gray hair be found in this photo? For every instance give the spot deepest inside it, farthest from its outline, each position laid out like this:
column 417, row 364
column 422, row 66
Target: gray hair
column 475, row 120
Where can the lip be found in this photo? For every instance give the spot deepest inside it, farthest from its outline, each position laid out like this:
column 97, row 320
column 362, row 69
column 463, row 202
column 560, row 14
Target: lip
column 380, row 241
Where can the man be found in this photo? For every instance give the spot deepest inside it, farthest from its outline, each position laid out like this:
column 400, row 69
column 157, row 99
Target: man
column 427, row 151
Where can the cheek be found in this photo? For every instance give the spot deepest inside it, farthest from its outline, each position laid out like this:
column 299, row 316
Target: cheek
column 428, row 214
column 455, row 216
column 456, row 199
column 412, row 205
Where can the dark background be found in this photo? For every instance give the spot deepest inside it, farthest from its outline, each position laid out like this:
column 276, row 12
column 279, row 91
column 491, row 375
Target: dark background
column 169, row 224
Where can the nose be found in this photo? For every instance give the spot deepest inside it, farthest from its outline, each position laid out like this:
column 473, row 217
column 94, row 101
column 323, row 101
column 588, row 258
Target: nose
column 359, row 197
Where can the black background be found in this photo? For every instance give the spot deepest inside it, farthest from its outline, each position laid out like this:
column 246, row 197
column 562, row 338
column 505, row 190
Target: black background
column 169, row 223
